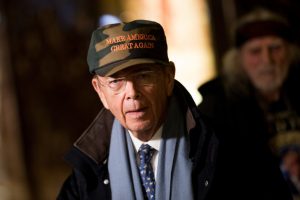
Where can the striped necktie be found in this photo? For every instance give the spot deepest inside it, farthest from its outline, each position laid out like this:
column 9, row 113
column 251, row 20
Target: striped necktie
column 146, row 172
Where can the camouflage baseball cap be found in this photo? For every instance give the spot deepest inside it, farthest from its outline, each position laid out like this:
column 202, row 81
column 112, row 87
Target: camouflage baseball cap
column 118, row 46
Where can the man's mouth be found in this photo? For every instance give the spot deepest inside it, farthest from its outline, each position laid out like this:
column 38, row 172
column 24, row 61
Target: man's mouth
column 136, row 113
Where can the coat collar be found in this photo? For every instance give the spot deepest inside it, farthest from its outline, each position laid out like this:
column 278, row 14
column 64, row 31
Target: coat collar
column 94, row 142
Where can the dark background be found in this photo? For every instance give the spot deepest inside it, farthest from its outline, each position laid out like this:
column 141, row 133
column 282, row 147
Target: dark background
column 47, row 43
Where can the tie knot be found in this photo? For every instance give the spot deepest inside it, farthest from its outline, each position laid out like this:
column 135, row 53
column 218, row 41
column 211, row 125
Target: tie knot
column 146, row 153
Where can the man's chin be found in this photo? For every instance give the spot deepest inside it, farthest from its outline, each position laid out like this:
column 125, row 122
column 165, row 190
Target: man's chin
column 268, row 87
column 140, row 128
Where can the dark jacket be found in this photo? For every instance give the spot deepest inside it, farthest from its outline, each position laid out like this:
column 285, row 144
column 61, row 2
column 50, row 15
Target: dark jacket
column 247, row 168
column 90, row 178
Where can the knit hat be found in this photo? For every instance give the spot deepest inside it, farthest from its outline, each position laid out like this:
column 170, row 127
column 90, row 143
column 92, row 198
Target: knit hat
column 261, row 22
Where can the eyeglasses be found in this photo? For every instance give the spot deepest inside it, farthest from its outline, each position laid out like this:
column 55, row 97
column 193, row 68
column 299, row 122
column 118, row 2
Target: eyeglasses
column 142, row 78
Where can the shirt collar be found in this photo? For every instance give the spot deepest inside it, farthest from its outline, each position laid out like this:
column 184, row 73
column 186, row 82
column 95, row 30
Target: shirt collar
column 154, row 142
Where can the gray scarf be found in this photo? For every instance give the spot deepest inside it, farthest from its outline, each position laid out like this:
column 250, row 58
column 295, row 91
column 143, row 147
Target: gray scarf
column 173, row 181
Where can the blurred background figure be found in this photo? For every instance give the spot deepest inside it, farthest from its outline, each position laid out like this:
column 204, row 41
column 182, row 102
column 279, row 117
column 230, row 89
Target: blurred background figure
column 254, row 105
column 290, row 165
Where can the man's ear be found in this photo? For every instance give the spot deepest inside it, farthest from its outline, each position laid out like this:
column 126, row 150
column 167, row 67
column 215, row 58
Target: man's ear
column 97, row 88
column 170, row 71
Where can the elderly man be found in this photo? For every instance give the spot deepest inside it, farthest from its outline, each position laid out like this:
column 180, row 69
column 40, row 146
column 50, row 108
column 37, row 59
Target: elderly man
column 148, row 142
column 254, row 106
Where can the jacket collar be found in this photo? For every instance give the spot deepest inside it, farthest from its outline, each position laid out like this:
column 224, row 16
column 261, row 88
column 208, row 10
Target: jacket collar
column 94, row 142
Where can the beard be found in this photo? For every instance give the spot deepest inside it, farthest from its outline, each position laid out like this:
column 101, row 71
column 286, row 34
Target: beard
column 270, row 79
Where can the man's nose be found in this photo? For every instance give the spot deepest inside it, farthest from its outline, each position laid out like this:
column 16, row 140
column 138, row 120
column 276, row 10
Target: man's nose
column 267, row 56
column 132, row 90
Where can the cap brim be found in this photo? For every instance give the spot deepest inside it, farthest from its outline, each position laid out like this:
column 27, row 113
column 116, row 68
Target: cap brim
column 118, row 66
